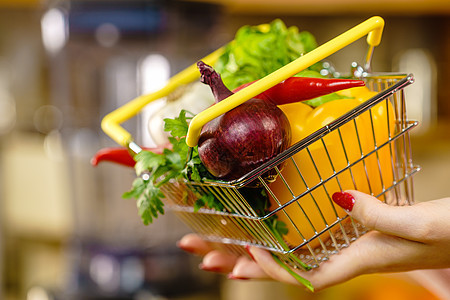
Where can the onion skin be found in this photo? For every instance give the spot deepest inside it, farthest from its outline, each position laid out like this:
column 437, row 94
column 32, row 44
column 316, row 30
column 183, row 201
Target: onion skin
column 244, row 138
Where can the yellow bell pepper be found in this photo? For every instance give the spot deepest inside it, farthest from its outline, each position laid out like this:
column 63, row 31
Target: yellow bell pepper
column 337, row 150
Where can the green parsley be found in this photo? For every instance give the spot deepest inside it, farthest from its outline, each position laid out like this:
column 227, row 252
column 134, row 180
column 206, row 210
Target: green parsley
column 154, row 170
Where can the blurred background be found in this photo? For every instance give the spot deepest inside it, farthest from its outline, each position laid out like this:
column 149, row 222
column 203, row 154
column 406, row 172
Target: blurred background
column 65, row 230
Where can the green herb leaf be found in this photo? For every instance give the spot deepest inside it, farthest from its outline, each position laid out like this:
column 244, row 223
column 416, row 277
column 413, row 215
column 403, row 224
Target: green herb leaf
column 199, row 204
column 280, row 227
column 211, row 202
column 177, row 127
column 146, row 160
column 149, row 203
column 297, row 277
column 276, row 46
column 137, row 189
column 161, row 168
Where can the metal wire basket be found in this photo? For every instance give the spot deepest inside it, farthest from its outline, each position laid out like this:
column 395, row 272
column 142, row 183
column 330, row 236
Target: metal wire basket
column 366, row 149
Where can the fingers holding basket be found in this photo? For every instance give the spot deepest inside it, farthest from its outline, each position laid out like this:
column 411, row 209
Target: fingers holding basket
column 238, row 268
column 401, row 221
column 194, row 244
column 218, row 261
column 271, row 268
column 246, row 268
column 340, row 268
column 374, row 252
column 405, row 238
column 213, row 260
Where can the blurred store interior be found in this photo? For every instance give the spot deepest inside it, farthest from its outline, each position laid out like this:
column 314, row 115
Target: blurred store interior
column 65, row 230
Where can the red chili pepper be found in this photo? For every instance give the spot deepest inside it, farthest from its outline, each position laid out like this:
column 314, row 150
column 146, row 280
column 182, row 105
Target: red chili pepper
column 296, row 89
column 121, row 156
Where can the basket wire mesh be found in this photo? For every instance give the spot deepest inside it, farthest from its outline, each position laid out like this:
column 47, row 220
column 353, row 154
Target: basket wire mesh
column 317, row 227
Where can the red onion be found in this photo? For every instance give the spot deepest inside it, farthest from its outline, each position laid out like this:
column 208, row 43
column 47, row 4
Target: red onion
column 245, row 137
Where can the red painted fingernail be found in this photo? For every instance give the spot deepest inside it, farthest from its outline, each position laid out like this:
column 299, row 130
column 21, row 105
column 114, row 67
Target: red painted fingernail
column 231, row 276
column 247, row 248
column 344, row 200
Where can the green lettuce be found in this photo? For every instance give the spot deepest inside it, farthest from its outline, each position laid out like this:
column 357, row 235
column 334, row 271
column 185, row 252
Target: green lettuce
column 259, row 50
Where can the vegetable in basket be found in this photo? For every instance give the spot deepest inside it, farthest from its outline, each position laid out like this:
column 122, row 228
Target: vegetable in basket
column 296, row 89
column 156, row 169
column 122, row 156
column 160, row 168
column 169, row 161
column 257, row 51
column 322, row 160
column 251, row 134
column 243, row 138
column 293, row 89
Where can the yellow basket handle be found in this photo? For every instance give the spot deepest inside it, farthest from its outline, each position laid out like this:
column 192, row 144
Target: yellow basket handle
column 373, row 27
column 111, row 122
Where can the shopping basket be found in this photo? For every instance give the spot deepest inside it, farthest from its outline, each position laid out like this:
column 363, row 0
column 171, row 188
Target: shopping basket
column 367, row 149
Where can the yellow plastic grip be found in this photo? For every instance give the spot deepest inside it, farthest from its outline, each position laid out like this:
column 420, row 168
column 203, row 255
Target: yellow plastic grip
column 373, row 27
column 111, row 122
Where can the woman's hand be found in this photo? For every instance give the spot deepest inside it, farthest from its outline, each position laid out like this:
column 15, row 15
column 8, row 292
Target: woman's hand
column 403, row 238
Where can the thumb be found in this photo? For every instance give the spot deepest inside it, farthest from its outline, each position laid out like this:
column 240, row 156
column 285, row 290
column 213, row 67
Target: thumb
column 374, row 214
